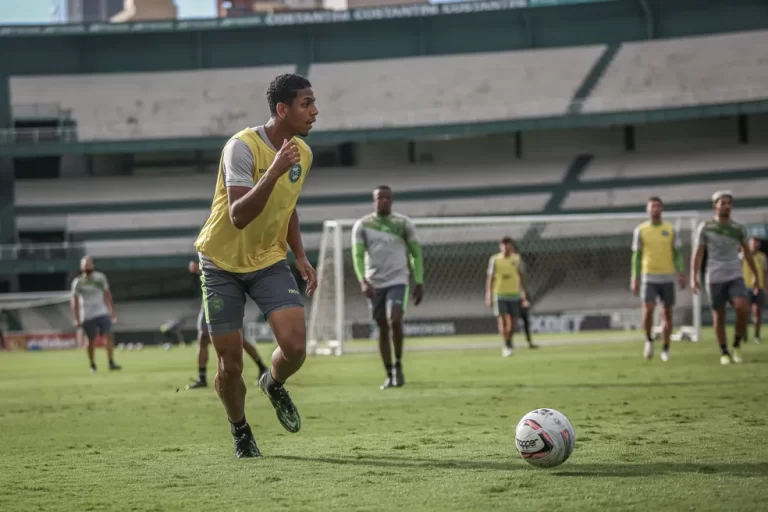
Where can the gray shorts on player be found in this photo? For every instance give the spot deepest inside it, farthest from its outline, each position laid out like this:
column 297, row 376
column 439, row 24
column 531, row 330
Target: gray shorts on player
column 224, row 294
column 202, row 327
column 389, row 299
column 95, row 326
column 758, row 299
column 722, row 293
column 509, row 307
column 662, row 292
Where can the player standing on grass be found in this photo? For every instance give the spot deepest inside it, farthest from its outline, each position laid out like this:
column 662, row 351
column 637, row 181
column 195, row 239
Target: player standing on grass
column 93, row 310
column 657, row 262
column 724, row 239
column 756, row 297
column 386, row 252
column 203, row 340
column 243, row 247
column 506, row 291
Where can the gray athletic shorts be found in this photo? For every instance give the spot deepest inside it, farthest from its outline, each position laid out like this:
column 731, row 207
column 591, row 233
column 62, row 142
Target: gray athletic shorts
column 722, row 293
column 224, row 294
column 758, row 299
column 662, row 292
column 389, row 299
column 202, row 327
column 511, row 307
column 95, row 326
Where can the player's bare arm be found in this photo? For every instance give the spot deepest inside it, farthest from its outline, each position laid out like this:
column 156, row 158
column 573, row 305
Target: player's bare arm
column 245, row 204
column 358, row 259
column 75, row 303
column 489, row 287
column 297, row 246
column 417, row 268
column 696, row 261
column 523, row 289
column 110, row 305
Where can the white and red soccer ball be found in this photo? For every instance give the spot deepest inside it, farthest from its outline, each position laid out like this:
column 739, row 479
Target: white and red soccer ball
column 545, row 438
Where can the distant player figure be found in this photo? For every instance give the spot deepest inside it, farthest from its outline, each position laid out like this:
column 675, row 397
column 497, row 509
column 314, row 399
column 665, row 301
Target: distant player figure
column 243, row 247
column 172, row 332
column 525, row 308
column 506, row 291
column 386, row 253
column 756, row 297
column 204, row 340
column 724, row 239
column 93, row 310
column 657, row 263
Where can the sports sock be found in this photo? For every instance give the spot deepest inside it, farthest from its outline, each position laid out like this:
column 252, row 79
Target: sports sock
column 737, row 341
column 648, row 337
column 238, row 426
column 111, row 362
column 93, row 366
column 508, row 343
column 398, row 364
column 724, row 350
column 388, row 368
column 272, row 383
column 665, row 348
column 262, row 366
column 202, row 374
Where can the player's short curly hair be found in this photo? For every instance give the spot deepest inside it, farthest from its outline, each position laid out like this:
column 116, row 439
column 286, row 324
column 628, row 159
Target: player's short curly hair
column 283, row 89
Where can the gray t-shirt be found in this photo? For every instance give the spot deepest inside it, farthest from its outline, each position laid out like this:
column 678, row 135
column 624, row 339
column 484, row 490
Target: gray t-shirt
column 89, row 290
column 723, row 243
column 386, row 242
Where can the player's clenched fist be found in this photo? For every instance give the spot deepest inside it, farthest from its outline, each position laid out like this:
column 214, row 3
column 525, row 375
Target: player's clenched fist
column 287, row 157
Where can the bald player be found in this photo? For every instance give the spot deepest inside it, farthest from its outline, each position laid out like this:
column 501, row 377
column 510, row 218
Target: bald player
column 386, row 252
column 243, row 248
column 93, row 311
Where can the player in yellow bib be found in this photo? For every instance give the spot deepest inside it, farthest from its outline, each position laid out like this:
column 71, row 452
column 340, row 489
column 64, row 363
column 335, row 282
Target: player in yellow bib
column 656, row 263
column 243, row 248
column 756, row 297
column 506, row 292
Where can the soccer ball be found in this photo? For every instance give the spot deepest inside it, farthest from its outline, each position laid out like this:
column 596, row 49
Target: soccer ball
column 545, row 438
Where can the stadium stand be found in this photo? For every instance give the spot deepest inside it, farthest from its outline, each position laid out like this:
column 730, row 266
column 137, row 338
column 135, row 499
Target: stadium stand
column 683, row 72
column 120, row 106
column 422, row 91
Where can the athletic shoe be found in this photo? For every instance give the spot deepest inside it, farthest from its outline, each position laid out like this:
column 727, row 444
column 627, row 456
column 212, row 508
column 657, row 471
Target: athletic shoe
column 245, row 444
column 115, row 367
column 665, row 355
column 287, row 414
column 648, row 352
column 737, row 356
column 506, row 351
column 197, row 384
column 725, row 359
column 92, row 369
column 398, row 379
column 532, row 345
column 388, row 383
column 756, row 340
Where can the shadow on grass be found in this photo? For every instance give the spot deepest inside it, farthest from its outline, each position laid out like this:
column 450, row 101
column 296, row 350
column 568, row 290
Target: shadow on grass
column 619, row 470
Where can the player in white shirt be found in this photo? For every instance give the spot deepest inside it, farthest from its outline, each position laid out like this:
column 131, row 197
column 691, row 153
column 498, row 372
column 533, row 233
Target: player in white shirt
column 93, row 310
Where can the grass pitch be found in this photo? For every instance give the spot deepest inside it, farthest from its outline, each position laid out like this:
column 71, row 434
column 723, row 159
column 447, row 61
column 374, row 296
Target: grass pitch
column 685, row 435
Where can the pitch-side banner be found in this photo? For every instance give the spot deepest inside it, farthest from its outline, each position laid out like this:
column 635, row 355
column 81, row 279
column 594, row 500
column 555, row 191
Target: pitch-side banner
column 551, row 323
column 390, row 12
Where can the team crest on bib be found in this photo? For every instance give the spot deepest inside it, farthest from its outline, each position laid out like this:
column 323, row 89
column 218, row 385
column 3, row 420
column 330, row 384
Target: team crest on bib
column 295, row 173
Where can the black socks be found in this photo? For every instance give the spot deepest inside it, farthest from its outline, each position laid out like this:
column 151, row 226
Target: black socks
column 272, row 383
column 202, row 374
column 239, row 426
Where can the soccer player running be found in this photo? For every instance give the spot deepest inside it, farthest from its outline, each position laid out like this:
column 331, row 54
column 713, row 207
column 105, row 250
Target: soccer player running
column 506, row 291
column 386, row 253
column 204, row 340
column 243, row 247
column 657, row 262
column 724, row 239
column 756, row 297
column 93, row 310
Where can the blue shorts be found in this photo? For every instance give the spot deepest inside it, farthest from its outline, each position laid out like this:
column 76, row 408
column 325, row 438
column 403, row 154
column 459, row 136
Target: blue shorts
column 95, row 326
column 663, row 292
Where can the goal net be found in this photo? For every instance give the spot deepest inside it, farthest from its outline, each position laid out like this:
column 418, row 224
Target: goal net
column 578, row 271
column 35, row 321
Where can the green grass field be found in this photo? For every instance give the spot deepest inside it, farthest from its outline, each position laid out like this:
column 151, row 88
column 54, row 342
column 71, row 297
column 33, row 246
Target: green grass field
column 685, row 435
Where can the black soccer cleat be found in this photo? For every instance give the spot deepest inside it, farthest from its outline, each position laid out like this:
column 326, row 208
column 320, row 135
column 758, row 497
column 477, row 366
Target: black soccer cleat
column 199, row 383
column 286, row 411
column 398, row 379
column 245, row 444
column 114, row 366
column 532, row 345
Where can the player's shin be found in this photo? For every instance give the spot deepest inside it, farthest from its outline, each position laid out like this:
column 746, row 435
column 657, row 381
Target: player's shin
column 648, row 308
column 718, row 321
column 229, row 376
column 740, row 325
column 385, row 346
column 757, row 315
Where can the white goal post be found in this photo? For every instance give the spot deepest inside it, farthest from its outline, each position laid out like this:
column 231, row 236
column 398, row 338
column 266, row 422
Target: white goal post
column 577, row 267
